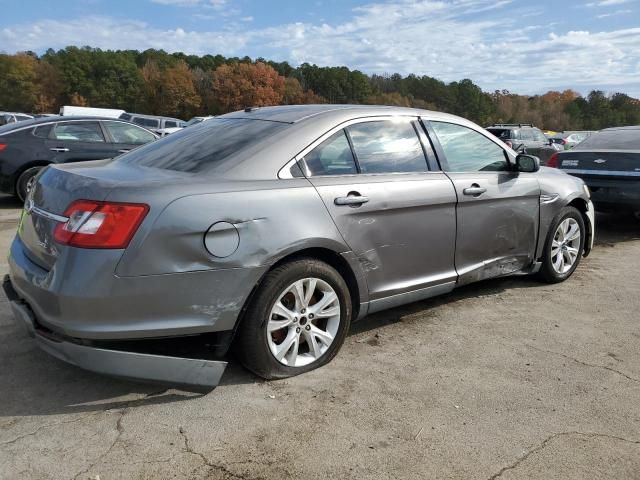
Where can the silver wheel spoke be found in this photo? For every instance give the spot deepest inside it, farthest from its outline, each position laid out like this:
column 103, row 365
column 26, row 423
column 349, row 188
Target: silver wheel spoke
column 293, row 353
column 314, row 347
column 324, row 337
column 573, row 252
column 282, row 311
column 298, row 293
column 285, row 346
column 311, row 288
column 559, row 263
column 275, row 325
column 573, row 233
column 327, row 299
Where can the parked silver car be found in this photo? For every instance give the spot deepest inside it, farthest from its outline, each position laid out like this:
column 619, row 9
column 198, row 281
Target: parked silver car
column 272, row 229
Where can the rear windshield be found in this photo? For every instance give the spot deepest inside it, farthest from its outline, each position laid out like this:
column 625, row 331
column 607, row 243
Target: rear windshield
column 613, row 139
column 204, row 146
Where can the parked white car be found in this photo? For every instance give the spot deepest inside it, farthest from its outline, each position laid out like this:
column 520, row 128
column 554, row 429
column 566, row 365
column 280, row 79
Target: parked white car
column 68, row 110
column 11, row 117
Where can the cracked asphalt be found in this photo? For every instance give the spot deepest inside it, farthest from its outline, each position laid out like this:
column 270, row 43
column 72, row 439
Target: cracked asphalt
column 504, row 379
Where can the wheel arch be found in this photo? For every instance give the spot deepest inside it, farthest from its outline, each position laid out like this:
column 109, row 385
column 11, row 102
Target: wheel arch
column 332, row 258
column 582, row 206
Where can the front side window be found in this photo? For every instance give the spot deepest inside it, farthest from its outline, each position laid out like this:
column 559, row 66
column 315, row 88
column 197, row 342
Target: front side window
column 127, row 133
column 331, row 157
column 78, row 131
column 387, row 146
column 42, row 131
column 467, row 150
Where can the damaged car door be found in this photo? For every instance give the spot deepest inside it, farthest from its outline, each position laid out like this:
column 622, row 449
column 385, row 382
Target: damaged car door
column 498, row 207
column 396, row 215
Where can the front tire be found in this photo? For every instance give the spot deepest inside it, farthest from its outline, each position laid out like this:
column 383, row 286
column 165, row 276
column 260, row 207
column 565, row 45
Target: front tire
column 564, row 246
column 297, row 320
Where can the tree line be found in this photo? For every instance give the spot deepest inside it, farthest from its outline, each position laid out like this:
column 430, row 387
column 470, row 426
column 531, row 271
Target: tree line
column 180, row 85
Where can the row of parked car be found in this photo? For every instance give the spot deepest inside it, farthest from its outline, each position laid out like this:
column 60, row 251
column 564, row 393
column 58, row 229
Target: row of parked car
column 158, row 124
column 608, row 160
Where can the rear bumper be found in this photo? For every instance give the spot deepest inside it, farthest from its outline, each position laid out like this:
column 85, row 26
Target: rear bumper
column 612, row 193
column 175, row 371
column 81, row 297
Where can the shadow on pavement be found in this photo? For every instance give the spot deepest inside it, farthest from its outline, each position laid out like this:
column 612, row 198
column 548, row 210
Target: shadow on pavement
column 9, row 202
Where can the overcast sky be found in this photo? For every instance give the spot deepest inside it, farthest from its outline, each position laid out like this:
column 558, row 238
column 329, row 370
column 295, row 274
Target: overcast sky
column 527, row 47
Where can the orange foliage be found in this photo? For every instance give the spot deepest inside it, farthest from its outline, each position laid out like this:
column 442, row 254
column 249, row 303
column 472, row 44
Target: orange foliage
column 242, row 85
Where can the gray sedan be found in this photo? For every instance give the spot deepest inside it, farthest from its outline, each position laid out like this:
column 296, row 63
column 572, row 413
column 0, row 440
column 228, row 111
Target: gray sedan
column 272, row 229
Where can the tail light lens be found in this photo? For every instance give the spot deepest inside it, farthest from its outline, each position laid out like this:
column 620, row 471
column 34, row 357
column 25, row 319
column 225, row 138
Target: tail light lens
column 3, row 146
column 100, row 224
column 553, row 161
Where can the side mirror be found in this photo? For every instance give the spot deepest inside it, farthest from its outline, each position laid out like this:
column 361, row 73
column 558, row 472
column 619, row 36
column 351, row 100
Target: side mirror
column 527, row 163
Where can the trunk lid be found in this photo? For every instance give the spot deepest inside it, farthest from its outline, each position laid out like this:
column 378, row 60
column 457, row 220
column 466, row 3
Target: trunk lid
column 57, row 187
column 601, row 163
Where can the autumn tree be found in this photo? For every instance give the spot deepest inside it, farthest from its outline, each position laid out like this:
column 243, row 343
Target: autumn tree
column 18, row 89
column 294, row 94
column 243, row 85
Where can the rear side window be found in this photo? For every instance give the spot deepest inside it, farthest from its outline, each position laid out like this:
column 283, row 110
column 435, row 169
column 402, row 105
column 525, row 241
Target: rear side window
column 331, row 157
column 125, row 116
column 170, row 124
column 467, row 150
column 127, row 133
column 204, row 148
column 387, row 147
column 627, row 139
column 42, row 131
column 147, row 122
column 78, row 131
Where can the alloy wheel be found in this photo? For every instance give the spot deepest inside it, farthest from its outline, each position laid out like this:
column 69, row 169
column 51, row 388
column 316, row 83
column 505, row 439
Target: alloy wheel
column 565, row 246
column 303, row 322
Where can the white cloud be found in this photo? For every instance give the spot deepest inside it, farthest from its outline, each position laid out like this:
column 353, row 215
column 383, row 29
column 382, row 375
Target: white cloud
column 606, row 3
column 447, row 40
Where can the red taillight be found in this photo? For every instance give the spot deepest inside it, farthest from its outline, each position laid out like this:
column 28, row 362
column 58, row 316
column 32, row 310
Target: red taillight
column 553, row 161
column 3, row 146
column 100, row 224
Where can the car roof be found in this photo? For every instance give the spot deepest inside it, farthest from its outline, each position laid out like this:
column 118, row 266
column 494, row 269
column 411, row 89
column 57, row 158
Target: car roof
column 631, row 127
column 155, row 117
column 25, row 124
column 299, row 113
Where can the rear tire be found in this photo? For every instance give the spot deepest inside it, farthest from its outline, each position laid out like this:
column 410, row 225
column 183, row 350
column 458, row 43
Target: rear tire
column 24, row 182
column 564, row 246
column 297, row 320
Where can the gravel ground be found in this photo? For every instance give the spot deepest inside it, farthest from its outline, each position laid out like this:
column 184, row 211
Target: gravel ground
column 503, row 379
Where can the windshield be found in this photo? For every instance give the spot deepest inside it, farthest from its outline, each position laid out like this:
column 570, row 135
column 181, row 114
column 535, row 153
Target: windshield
column 619, row 139
column 203, row 147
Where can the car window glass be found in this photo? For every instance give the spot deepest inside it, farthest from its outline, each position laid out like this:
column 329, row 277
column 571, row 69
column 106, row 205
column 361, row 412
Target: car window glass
column 127, row 133
column 78, row 131
column 526, row 135
column 387, row 146
column 331, row 157
column 147, row 122
column 501, row 133
column 170, row 124
column 125, row 116
column 467, row 150
column 42, row 131
column 617, row 139
column 217, row 144
column 539, row 136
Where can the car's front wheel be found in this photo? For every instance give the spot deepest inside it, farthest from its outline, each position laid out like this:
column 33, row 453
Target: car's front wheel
column 564, row 246
column 297, row 320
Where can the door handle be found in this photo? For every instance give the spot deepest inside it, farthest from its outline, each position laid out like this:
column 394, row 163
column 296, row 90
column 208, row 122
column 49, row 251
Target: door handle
column 353, row 200
column 124, row 150
column 59, row 149
column 474, row 190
